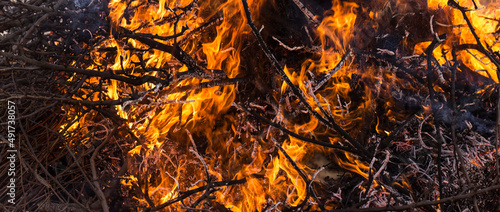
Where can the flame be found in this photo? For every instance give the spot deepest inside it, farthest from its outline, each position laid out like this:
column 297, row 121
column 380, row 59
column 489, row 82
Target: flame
column 165, row 130
column 155, row 124
column 202, row 108
column 335, row 34
column 436, row 4
column 456, row 26
column 485, row 28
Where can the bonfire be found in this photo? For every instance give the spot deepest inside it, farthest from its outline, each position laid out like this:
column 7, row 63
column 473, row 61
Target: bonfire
column 246, row 105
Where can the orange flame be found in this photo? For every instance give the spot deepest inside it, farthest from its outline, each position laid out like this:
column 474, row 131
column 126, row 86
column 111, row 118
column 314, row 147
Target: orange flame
column 270, row 177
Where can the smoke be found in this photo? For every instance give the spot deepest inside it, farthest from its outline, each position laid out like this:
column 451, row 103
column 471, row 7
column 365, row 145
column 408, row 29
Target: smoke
column 87, row 20
column 474, row 117
column 82, row 3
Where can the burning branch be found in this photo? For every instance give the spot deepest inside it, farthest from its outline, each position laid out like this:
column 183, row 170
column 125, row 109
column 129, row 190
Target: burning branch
column 481, row 48
column 333, row 71
column 178, row 53
column 288, row 132
column 103, row 75
column 188, row 193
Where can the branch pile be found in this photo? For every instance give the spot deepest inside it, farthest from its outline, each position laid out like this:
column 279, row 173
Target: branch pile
column 382, row 129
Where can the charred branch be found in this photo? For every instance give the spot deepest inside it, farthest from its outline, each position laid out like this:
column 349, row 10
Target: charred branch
column 188, row 193
column 333, row 71
column 288, row 132
column 178, row 53
column 481, row 47
column 103, row 75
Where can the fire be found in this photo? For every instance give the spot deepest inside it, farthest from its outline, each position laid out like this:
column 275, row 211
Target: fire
column 482, row 20
column 197, row 111
column 487, row 31
column 169, row 121
column 281, row 179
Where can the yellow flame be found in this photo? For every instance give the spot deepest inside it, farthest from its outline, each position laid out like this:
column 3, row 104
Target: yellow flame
column 270, row 177
column 461, row 34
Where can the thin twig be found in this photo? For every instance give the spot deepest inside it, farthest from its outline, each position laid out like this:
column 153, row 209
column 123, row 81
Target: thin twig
column 179, row 54
column 302, row 175
column 333, row 71
column 422, row 143
column 384, row 164
column 456, row 148
column 188, row 193
column 46, row 172
column 295, row 48
column 194, row 150
column 311, row 93
column 497, row 143
column 311, row 18
column 95, row 178
column 288, row 132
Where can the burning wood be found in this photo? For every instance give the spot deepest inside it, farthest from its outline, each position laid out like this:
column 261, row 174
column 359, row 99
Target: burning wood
column 250, row 105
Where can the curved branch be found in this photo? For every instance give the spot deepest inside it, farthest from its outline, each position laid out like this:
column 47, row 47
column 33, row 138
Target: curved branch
column 103, row 75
